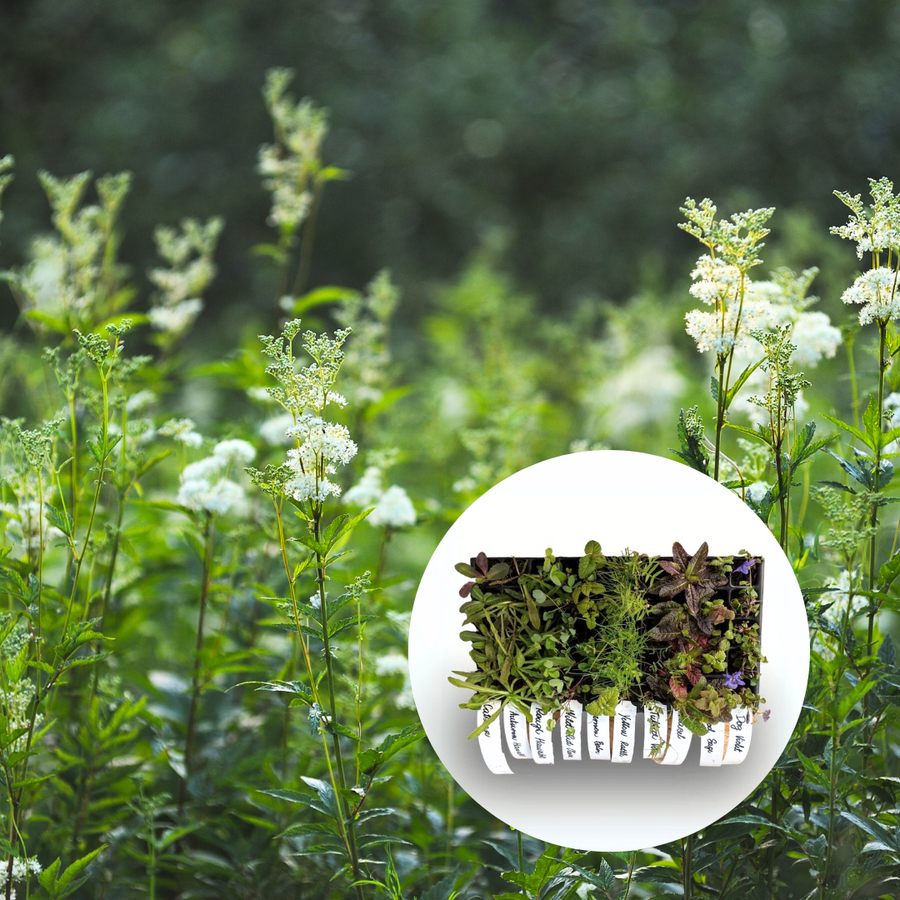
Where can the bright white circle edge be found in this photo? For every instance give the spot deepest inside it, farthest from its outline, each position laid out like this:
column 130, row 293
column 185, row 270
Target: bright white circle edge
column 625, row 500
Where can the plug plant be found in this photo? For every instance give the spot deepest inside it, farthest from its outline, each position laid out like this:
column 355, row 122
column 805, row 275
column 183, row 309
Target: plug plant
column 555, row 630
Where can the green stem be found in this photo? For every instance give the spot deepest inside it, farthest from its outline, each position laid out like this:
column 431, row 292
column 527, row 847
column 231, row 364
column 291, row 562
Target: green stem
column 832, row 799
column 151, row 858
column 195, row 678
column 728, row 877
column 94, row 503
column 873, row 541
column 309, row 232
column 687, row 864
column 851, row 364
column 770, row 853
column 314, row 686
column 720, row 414
column 386, row 536
column 522, row 854
column 450, row 811
column 321, row 565
column 631, row 863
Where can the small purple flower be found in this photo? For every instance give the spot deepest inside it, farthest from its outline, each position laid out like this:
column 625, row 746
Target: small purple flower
column 766, row 714
column 734, row 680
column 745, row 566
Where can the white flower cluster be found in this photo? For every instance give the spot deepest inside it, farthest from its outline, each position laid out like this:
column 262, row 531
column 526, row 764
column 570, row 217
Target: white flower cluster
column 274, row 431
column 21, row 869
column 876, row 292
column 877, row 228
column 767, row 306
column 175, row 319
column 322, row 445
column 757, row 491
column 715, row 282
column 64, row 274
column 722, row 332
column 189, row 254
column 815, row 338
column 288, row 165
column 14, row 704
column 182, row 430
column 205, row 485
column 393, row 508
column 811, row 331
column 839, row 597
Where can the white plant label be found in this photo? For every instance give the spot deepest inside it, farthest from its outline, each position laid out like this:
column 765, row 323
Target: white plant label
column 516, row 733
column 679, row 742
column 624, row 731
column 738, row 737
column 656, row 725
column 712, row 745
column 490, row 741
column 541, row 736
column 570, row 729
column 598, row 737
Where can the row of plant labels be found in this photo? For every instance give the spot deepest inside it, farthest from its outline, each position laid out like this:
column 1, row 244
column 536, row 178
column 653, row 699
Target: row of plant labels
column 607, row 738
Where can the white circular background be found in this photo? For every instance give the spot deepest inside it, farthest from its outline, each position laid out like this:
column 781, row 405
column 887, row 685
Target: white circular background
column 625, row 501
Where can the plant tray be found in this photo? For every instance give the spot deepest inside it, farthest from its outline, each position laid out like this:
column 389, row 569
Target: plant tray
column 543, row 737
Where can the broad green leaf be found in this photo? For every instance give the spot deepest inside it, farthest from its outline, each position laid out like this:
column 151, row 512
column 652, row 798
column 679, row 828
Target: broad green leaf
column 372, row 759
column 863, row 438
column 871, row 421
column 739, row 382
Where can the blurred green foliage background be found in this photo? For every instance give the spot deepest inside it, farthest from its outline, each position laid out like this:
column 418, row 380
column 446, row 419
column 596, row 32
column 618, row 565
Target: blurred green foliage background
column 574, row 127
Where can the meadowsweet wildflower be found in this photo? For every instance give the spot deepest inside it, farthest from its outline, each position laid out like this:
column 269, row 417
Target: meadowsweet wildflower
column 274, row 431
column 815, row 338
column 327, row 440
column 715, row 281
column 788, row 299
column 839, row 597
column 305, row 393
column 367, row 491
column 723, row 331
column 189, row 255
column 72, row 274
column 21, row 869
column 205, row 485
column 874, row 229
column 393, row 507
column 289, row 165
column 876, row 292
column 139, row 402
column 182, row 430
column 757, row 491
column 236, row 451
column 15, row 703
column 175, row 319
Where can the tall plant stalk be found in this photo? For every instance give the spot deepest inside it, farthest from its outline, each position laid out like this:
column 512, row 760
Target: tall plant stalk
column 205, row 574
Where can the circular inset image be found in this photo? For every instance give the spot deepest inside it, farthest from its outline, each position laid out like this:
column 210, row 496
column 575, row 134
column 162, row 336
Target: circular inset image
column 614, row 687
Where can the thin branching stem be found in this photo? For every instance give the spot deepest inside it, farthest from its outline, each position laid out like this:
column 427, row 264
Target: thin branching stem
column 205, row 577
